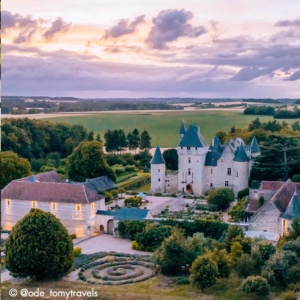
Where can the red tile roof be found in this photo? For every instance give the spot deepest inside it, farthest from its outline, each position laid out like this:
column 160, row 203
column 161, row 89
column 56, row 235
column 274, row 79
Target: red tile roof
column 271, row 185
column 49, row 192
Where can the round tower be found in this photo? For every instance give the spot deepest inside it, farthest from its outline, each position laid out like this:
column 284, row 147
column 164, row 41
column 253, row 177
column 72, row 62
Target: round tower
column 158, row 172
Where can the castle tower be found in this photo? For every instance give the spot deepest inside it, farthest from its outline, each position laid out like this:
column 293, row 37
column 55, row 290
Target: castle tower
column 241, row 167
column 158, row 172
column 181, row 132
column 254, row 148
column 191, row 151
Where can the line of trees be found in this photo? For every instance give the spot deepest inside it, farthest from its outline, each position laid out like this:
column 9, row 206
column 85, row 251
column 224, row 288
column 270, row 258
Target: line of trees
column 117, row 141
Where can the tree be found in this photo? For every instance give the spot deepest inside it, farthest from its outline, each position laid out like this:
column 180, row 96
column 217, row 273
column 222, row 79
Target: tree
column 261, row 201
column 145, row 141
column 279, row 267
column 223, row 262
column 13, row 167
column 108, row 196
column 91, row 136
column 266, row 250
column 296, row 178
column 221, row 197
column 256, row 285
column 133, row 201
column 88, row 161
column 221, row 135
column 256, row 124
column 135, row 139
column 39, row 246
column 244, row 266
column 204, row 272
column 114, row 193
column 236, row 251
column 121, row 191
column 171, row 255
column 233, row 232
column 171, row 159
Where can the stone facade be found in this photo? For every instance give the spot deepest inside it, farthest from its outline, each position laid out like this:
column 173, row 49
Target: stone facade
column 79, row 219
column 202, row 168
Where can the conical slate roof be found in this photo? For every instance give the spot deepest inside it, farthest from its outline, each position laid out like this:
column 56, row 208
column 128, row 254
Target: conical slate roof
column 193, row 138
column 254, row 146
column 293, row 209
column 182, row 129
column 32, row 179
column 157, row 158
column 216, row 145
column 240, row 155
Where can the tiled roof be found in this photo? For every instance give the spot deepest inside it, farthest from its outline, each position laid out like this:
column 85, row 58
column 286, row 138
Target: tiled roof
column 216, row 145
column 157, row 158
column 252, row 206
column 293, row 209
column 182, row 129
column 254, row 146
column 271, row 185
column 51, row 176
column 126, row 214
column 211, row 158
column 49, row 192
column 240, row 155
column 102, row 183
column 193, row 138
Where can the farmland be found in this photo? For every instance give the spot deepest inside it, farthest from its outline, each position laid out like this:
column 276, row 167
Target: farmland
column 164, row 126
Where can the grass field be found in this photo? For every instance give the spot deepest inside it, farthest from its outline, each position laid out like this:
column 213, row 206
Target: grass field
column 158, row 287
column 164, row 126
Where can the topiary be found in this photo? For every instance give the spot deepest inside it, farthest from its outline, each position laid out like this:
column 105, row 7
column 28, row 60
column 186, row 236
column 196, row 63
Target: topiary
column 39, row 246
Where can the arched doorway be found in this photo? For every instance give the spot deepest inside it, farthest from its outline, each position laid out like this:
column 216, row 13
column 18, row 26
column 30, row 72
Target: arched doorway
column 110, row 227
column 189, row 188
column 101, row 228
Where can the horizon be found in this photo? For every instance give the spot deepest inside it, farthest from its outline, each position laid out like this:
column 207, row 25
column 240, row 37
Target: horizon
column 207, row 50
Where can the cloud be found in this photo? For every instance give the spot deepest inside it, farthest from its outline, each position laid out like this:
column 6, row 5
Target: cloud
column 295, row 76
column 286, row 23
column 249, row 73
column 169, row 25
column 58, row 27
column 9, row 20
column 124, row 27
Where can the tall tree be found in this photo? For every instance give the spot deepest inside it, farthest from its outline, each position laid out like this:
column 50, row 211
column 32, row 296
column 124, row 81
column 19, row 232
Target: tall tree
column 13, row 167
column 145, row 142
column 135, row 139
column 88, row 161
column 171, row 158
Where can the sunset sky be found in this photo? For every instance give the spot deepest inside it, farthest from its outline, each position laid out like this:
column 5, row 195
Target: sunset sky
column 138, row 48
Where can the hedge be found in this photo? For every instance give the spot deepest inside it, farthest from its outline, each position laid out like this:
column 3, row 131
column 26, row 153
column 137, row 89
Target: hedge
column 135, row 183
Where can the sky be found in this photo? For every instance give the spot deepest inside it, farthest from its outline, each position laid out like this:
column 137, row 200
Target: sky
column 139, row 48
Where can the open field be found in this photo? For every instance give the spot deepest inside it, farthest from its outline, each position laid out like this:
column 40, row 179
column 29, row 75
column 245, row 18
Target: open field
column 164, row 126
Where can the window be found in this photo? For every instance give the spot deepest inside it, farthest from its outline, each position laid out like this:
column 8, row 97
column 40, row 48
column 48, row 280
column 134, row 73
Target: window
column 8, row 202
column 211, row 184
column 226, row 183
column 189, row 160
column 189, row 148
column 181, row 148
column 211, row 171
column 189, row 171
column 158, row 179
column 158, row 170
column 78, row 207
column 237, row 174
column 33, row 204
column 196, row 148
column 229, row 171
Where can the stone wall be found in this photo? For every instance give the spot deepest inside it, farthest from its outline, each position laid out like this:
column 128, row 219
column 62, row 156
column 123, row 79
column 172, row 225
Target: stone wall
column 267, row 219
column 171, row 183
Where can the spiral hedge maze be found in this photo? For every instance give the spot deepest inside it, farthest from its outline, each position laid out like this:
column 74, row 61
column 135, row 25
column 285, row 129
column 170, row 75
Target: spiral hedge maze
column 118, row 270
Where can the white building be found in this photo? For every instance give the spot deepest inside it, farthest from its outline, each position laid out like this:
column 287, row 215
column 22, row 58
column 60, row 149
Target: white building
column 202, row 168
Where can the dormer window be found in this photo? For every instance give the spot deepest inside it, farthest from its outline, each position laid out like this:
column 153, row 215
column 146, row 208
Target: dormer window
column 196, row 148
column 33, row 204
column 78, row 207
column 181, row 148
column 54, row 206
column 8, row 203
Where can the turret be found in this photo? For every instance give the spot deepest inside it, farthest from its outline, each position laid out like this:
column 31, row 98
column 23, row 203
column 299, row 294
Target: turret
column 181, row 132
column 254, row 148
column 158, row 172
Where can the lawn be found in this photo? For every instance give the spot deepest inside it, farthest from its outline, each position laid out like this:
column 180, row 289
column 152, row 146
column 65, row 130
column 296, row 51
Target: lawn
column 164, row 126
column 158, row 287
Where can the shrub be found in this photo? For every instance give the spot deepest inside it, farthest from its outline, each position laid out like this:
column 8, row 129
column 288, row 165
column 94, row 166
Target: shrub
column 136, row 246
column 77, row 251
column 73, row 236
column 244, row 266
column 133, row 201
column 242, row 193
column 296, row 178
column 204, row 272
column 293, row 275
column 289, row 296
column 39, row 246
column 256, row 285
column 221, row 197
column 181, row 280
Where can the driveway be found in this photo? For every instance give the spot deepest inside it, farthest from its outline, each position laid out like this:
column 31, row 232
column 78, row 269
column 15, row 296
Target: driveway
column 107, row 243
